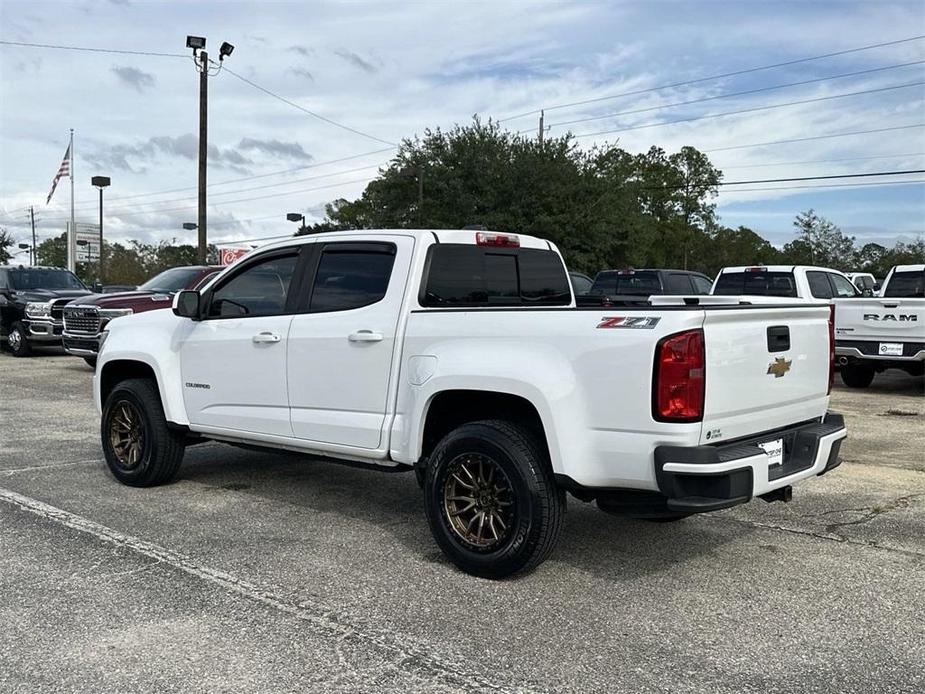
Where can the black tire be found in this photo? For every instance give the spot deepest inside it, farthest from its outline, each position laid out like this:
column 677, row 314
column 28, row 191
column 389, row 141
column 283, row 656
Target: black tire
column 855, row 376
column 161, row 448
column 91, row 362
column 535, row 509
column 18, row 340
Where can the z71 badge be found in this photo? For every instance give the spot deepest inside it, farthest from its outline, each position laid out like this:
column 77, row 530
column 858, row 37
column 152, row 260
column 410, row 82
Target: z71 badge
column 638, row 322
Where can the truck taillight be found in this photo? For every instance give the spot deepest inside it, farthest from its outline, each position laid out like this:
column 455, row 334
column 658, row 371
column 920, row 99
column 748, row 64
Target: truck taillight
column 679, row 385
column 831, row 348
column 485, row 238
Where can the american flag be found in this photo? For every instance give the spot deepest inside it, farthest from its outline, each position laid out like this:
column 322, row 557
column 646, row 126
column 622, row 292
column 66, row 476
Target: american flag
column 63, row 170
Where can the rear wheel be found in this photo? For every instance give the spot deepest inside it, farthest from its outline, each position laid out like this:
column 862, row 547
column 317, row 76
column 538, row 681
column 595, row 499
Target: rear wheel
column 491, row 501
column 855, row 376
column 140, row 449
column 18, row 341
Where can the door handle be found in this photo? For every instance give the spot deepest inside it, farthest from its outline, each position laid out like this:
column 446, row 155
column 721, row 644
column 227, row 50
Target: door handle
column 266, row 337
column 365, row 336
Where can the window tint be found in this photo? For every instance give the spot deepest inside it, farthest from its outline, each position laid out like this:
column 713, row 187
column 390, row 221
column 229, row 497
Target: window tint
column 352, row 275
column 636, row 282
column 464, row 275
column 172, row 280
column 701, row 284
column 259, row 290
column 760, row 283
column 819, row 285
column 906, row 284
column 843, row 287
column 580, row 283
column 678, row 283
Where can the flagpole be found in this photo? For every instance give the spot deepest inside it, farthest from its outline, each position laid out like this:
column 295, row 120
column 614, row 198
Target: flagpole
column 72, row 232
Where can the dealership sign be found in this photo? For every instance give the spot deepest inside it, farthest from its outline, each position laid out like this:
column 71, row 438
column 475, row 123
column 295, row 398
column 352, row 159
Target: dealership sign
column 231, row 255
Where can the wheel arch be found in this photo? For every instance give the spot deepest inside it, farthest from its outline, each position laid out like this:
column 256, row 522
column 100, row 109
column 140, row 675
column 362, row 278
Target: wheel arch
column 113, row 371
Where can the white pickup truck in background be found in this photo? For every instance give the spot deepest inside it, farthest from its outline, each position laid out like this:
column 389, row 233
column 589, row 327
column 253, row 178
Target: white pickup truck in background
column 462, row 356
column 883, row 332
column 800, row 282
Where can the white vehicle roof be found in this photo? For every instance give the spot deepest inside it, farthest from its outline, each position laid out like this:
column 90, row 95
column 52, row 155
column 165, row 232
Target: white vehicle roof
column 443, row 235
column 909, row 268
column 779, row 268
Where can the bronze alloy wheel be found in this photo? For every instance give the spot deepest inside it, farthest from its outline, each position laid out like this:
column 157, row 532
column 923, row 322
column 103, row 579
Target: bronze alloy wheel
column 478, row 501
column 127, row 434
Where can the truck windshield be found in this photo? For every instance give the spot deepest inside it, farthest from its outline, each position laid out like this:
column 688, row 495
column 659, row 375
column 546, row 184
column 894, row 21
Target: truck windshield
column 34, row 278
column 906, row 284
column 172, row 280
column 760, row 283
column 636, row 282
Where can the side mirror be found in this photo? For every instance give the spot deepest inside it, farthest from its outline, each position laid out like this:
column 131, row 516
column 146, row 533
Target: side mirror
column 186, row 304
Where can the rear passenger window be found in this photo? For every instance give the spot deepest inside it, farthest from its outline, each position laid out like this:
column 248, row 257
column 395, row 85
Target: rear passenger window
column 678, row 283
column 258, row 290
column 701, row 284
column 819, row 285
column 464, row 275
column 843, row 287
column 351, row 275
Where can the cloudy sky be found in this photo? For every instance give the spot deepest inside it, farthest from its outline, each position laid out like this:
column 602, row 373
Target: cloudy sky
column 390, row 70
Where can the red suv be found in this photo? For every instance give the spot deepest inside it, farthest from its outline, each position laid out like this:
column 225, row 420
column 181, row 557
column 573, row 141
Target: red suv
column 85, row 318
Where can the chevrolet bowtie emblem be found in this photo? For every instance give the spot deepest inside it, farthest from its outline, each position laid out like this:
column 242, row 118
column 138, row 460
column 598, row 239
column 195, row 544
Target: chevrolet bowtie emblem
column 779, row 367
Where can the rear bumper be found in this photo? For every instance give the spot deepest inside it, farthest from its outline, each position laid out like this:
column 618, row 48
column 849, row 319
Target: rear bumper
column 706, row 478
column 868, row 349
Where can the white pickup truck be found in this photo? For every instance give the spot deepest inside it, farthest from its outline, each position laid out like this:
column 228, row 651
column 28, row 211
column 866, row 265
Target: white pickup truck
column 883, row 332
column 462, row 355
column 799, row 282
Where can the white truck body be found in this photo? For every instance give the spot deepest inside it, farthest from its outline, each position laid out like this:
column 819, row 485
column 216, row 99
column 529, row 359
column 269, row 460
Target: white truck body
column 887, row 331
column 797, row 282
column 365, row 384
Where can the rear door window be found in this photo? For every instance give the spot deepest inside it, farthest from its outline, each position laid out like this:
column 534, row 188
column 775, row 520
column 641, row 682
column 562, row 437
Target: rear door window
column 678, row 283
column 468, row 275
column 351, row 275
column 757, row 283
column 819, row 285
column 843, row 288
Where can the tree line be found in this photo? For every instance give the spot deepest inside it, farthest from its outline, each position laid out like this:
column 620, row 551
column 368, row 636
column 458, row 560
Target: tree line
column 603, row 207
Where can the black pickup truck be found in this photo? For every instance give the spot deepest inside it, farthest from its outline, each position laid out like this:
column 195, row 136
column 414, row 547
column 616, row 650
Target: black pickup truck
column 32, row 302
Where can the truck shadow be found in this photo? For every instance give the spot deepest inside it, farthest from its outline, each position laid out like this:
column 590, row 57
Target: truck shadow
column 609, row 547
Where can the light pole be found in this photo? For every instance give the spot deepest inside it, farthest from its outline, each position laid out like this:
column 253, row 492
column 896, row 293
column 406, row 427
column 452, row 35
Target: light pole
column 297, row 217
column 201, row 59
column 100, row 182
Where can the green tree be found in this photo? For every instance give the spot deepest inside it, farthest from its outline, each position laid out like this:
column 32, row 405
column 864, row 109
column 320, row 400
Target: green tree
column 825, row 242
column 6, row 242
column 52, row 251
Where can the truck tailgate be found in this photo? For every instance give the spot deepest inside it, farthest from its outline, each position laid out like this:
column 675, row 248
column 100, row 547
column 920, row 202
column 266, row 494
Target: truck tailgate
column 766, row 368
column 881, row 320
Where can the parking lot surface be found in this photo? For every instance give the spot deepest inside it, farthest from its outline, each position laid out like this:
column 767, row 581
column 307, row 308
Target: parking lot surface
column 261, row 572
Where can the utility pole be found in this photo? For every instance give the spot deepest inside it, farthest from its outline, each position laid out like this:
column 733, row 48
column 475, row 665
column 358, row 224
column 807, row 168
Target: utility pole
column 203, row 149
column 32, row 217
column 540, row 135
column 421, row 196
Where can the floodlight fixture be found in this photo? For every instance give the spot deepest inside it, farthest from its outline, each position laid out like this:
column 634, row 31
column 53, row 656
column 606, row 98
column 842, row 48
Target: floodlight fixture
column 190, row 226
column 100, row 181
column 295, row 216
column 225, row 50
column 196, row 42
column 25, row 246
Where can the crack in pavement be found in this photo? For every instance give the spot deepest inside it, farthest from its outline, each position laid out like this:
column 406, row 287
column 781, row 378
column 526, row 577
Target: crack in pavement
column 397, row 651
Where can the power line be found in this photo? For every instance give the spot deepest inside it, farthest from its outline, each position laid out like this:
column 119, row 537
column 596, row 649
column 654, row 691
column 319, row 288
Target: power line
column 829, row 185
column 822, row 161
column 305, row 110
column 714, row 77
column 732, row 94
column 815, row 137
column 92, row 50
column 821, row 178
column 754, row 109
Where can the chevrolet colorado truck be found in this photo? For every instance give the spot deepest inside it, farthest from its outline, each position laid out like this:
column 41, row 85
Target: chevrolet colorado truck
column 883, row 332
column 462, row 356
column 86, row 318
column 32, row 301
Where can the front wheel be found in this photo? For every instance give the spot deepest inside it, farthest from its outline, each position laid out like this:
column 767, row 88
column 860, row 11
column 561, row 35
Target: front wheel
column 491, row 501
column 855, row 376
column 140, row 449
column 18, row 341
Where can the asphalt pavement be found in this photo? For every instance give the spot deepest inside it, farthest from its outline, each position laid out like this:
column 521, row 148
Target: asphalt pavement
column 260, row 572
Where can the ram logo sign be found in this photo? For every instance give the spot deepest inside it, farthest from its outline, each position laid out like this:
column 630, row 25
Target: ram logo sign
column 902, row 317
